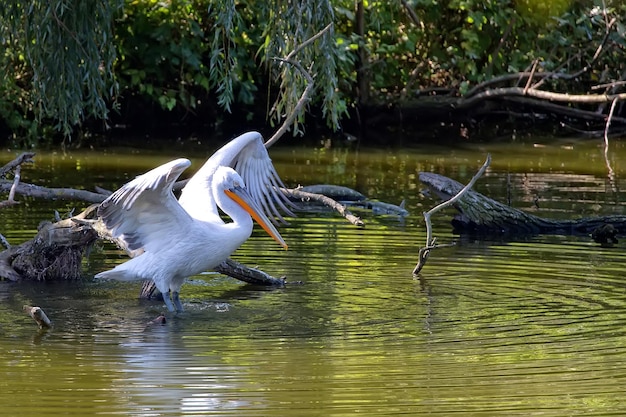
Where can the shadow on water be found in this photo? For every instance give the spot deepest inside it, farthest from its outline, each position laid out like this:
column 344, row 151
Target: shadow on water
column 490, row 328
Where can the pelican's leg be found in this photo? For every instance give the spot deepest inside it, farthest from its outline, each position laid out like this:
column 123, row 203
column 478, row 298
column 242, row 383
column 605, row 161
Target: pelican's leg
column 177, row 303
column 168, row 302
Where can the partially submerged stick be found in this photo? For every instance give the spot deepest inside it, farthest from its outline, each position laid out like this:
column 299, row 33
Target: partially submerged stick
column 430, row 241
column 39, row 316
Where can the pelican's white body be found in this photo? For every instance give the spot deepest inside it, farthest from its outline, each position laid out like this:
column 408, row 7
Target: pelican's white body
column 171, row 239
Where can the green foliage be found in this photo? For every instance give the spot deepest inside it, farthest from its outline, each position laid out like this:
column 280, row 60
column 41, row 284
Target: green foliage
column 160, row 48
column 284, row 35
column 62, row 62
column 171, row 52
column 64, row 52
column 460, row 43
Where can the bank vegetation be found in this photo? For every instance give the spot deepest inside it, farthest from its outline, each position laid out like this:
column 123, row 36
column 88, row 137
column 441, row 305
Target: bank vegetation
column 73, row 68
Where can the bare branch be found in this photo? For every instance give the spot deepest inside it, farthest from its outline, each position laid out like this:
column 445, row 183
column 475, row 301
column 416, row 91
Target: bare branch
column 412, row 15
column 327, row 201
column 611, row 172
column 53, row 193
column 246, row 274
column 16, row 181
column 430, row 241
column 37, row 314
column 296, row 110
column 545, row 95
column 25, row 157
column 309, row 41
column 307, row 91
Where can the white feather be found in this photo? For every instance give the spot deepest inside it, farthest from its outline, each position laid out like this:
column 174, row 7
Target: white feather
column 179, row 238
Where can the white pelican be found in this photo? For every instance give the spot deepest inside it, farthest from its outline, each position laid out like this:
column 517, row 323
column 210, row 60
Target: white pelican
column 171, row 239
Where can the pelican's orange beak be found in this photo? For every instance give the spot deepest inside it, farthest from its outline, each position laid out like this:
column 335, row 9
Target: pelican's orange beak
column 241, row 196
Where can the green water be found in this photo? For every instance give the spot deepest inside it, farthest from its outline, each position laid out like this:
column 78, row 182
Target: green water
column 500, row 328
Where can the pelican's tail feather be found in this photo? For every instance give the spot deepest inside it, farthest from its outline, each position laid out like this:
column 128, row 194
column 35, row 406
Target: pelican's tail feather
column 119, row 275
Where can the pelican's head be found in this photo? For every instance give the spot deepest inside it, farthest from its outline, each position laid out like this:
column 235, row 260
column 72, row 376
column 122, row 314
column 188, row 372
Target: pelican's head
column 230, row 181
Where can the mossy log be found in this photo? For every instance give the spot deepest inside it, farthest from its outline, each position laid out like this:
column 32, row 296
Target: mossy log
column 482, row 215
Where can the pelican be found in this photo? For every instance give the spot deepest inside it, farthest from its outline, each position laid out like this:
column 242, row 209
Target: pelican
column 169, row 239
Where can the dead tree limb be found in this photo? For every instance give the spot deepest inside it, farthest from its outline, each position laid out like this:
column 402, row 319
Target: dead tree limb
column 16, row 180
column 412, row 15
column 16, row 166
column 327, row 201
column 37, row 191
column 25, row 157
column 55, row 253
column 250, row 275
column 430, row 241
column 40, row 317
column 541, row 94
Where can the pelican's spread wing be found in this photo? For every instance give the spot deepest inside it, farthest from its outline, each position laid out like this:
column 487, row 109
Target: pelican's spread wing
column 144, row 213
column 247, row 155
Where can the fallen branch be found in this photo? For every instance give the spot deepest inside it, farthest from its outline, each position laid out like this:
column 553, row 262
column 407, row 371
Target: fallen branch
column 16, row 166
column 327, row 201
column 56, row 251
column 561, row 109
column 250, row 275
column 52, row 193
column 541, row 94
column 25, row 157
column 482, row 216
column 11, row 198
column 430, row 241
column 4, row 242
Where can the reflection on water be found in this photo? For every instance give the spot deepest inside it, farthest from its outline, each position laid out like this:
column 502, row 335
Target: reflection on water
column 530, row 327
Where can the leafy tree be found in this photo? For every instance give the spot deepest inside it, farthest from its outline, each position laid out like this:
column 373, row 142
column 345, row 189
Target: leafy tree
column 65, row 61
column 61, row 56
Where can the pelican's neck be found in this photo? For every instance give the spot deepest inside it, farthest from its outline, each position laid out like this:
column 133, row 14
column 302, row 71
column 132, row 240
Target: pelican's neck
column 196, row 197
column 241, row 221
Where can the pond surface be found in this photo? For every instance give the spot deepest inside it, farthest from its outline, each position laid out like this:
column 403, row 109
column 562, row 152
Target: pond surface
column 529, row 327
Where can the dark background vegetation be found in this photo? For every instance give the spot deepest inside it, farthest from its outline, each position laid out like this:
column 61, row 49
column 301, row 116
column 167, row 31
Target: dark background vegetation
column 75, row 71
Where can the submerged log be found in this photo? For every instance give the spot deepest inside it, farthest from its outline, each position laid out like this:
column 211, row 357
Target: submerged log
column 231, row 268
column 482, row 215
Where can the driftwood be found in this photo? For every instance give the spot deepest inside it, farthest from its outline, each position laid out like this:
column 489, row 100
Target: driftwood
column 481, row 215
column 327, row 201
